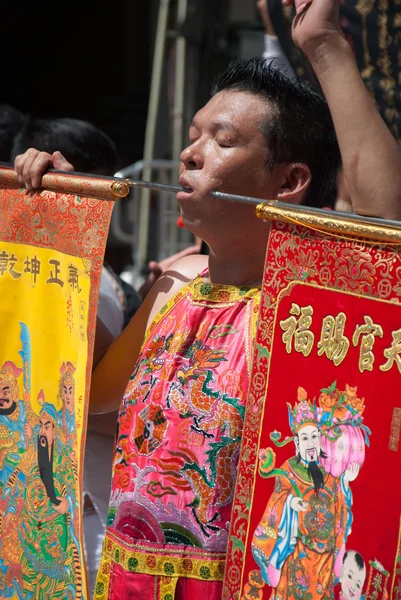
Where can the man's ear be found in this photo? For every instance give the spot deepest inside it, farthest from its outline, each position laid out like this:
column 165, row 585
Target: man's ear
column 294, row 180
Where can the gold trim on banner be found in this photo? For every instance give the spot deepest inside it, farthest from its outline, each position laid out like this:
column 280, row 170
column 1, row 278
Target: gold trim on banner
column 330, row 224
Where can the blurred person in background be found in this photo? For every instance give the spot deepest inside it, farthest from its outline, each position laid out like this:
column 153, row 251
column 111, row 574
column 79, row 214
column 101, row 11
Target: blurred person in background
column 372, row 28
column 11, row 123
column 273, row 50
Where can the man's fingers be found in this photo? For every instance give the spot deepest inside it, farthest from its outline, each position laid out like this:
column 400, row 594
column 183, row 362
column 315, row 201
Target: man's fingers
column 21, row 161
column 30, row 157
column 38, row 168
column 32, row 165
column 18, row 164
column 60, row 162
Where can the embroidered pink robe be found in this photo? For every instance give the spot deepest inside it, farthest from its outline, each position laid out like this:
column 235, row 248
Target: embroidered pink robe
column 177, row 446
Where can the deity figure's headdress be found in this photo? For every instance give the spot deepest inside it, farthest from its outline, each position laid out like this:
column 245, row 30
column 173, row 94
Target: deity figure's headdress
column 67, row 370
column 8, row 375
column 47, row 409
column 335, row 409
column 302, row 414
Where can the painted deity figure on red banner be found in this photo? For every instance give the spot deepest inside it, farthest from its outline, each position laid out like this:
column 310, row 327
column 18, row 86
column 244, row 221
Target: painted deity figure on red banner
column 300, row 543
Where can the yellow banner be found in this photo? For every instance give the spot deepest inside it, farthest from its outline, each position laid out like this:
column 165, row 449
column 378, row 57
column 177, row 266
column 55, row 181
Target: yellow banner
column 51, row 251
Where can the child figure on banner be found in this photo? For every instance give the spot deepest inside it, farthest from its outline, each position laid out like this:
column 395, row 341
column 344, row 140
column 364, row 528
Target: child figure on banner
column 352, row 576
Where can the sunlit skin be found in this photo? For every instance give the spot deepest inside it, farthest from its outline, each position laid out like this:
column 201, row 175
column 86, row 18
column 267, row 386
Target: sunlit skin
column 352, row 578
column 6, row 398
column 228, row 152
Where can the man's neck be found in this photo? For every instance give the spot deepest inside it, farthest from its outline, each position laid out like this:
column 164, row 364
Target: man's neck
column 237, row 268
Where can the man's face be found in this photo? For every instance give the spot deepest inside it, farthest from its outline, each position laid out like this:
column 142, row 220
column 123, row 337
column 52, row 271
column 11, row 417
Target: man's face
column 227, row 152
column 67, row 394
column 6, row 399
column 308, row 443
column 352, row 578
column 46, row 431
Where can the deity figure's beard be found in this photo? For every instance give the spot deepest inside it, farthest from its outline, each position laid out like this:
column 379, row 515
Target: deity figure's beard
column 315, row 473
column 46, row 468
column 9, row 410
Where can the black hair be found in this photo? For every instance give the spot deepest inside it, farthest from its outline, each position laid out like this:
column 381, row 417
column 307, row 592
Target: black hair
column 298, row 126
column 11, row 122
column 360, row 563
column 83, row 145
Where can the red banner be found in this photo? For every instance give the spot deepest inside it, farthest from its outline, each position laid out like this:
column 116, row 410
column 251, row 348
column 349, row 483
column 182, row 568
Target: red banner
column 318, row 499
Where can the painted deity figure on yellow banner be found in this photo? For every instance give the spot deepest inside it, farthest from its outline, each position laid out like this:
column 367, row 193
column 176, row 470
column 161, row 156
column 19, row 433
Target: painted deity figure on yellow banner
column 39, row 550
column 299, row 545
column 15, row 441
column 67, row 391
column 48, row 543
column 66, row 418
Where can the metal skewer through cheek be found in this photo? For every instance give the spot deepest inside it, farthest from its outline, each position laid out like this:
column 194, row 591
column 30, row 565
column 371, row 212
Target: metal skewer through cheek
column 316, row 218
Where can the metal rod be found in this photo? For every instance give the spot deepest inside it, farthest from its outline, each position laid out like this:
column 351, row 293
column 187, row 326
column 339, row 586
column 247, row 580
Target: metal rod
column 163, row 187
column 307, row 210
column 174, row 189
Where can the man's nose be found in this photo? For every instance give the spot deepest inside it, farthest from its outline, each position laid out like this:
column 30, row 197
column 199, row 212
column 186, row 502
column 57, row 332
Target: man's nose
column 192, row 156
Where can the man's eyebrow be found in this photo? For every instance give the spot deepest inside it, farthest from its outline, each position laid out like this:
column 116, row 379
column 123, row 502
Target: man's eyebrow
column 227, row 125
